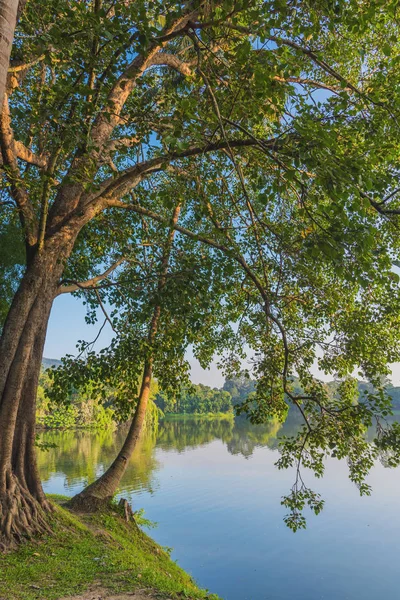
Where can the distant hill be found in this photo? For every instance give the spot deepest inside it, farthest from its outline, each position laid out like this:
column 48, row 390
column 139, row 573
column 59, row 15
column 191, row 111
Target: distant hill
column 50, row 362
column 240, row 388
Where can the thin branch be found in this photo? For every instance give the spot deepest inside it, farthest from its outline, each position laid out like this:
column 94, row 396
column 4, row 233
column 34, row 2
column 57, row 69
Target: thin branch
column 389, row 196
column 104, row 310
column 312, row 82
column 378, row 206
column 318, row 61
column 90, row 344
column 90, row 283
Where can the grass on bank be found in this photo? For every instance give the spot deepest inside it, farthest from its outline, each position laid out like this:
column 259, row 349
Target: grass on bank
column 92, row 549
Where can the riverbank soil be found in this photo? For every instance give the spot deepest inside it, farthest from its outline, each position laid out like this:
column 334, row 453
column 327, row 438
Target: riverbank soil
column 104, row 595
column 93, row 557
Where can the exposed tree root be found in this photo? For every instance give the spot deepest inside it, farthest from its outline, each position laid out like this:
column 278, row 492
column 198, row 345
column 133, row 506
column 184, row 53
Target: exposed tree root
column 87, row 503
column 22, row 516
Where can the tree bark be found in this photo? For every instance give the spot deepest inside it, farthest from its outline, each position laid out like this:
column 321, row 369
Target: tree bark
column 22, row 501
column 101, row 491
column 23, row 505
column 8, row 21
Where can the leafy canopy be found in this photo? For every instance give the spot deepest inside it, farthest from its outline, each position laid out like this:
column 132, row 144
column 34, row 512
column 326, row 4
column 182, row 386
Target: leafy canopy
column 275, row 126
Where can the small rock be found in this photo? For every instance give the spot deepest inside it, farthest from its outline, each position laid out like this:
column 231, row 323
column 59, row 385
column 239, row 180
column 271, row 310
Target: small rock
column 34, row 587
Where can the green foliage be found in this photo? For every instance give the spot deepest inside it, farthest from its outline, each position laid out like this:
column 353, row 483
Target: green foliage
column 152, row 415
column 198, row 400
column 60, row 418
column 71, row 416
column 240, row 387
column 142, row 521
column 287, row 238
column 83, row 410
column 80, row 411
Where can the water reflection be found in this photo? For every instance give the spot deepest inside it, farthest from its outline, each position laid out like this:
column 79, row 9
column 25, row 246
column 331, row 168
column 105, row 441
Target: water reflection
column 238, row 435
column 213, row 489
column 81, row 456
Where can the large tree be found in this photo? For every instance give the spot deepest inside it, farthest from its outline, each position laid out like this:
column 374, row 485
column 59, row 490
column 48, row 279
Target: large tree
column 115, row 104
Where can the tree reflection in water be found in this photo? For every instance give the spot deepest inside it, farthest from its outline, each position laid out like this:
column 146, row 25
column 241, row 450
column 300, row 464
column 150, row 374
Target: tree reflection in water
column 80, row 456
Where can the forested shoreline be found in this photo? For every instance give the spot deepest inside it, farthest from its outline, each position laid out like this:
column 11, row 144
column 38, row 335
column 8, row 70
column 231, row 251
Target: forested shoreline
column 83, row 410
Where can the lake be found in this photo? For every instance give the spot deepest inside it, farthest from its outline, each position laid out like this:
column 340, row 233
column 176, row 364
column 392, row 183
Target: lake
column 213, row 489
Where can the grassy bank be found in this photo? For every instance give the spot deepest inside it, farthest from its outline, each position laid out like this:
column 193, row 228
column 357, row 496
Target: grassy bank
column 99, row 549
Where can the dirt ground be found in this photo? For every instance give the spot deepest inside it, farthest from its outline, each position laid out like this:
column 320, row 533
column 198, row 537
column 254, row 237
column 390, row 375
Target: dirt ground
column 100, row 594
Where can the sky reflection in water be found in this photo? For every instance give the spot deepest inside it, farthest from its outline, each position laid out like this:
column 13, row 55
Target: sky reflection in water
column 214, row 491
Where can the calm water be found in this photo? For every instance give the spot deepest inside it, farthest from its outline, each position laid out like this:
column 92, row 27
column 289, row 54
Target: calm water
column 214, row 491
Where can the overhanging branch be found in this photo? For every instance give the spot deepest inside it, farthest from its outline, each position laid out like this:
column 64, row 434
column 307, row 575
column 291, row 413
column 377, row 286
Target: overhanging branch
column 75, row 286
column 231, row 253
column 122, row 184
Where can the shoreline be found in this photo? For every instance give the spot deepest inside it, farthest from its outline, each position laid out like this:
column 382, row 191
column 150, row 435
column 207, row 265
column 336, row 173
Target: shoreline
column 96, row 555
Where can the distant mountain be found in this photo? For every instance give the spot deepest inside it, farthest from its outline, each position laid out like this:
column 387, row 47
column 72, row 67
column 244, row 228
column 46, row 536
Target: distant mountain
column 50, row 362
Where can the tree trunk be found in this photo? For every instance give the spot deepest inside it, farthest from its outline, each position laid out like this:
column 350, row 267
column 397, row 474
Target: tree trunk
column 8, row 21
column 101, row 491
column 22, row 502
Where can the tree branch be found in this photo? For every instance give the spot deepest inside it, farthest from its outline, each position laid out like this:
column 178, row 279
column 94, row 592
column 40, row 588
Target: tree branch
column 25, row 154
column 307, row 51
column 318, row 61
column 18, row 192
column 121, row 90
column 379, row 206
column 313, row 83
column 96, row 291
column 90, row 283
column 170, row 60
column 16, row 66
column 119, row 186
column 70, row 193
